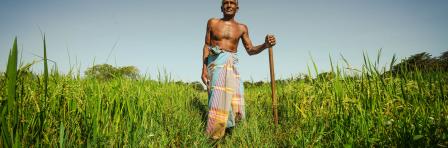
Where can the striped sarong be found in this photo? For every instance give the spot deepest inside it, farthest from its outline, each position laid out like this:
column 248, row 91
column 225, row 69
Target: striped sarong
column 225, row 95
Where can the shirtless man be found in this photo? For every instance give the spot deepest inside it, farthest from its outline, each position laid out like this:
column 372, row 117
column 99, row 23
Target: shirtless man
column 219, row 71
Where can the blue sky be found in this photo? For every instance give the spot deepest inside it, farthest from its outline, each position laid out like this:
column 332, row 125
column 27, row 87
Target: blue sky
column 169, row 35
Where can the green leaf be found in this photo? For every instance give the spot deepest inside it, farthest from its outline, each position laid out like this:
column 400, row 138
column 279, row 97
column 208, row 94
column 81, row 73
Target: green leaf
column 12, row 75
column 45, row 69
column 5, row 132
column 61, row 134
column 417, row 137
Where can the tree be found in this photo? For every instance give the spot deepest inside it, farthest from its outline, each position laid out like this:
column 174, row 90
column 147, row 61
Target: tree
column 197, row 86
column 422, row 62
column 418, row 61
column 108, row 72
column 326, row 76
column 444, row 60
column 129, row 72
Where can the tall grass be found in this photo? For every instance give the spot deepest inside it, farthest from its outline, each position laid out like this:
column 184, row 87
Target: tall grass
column 9, row 121
column 351, row 109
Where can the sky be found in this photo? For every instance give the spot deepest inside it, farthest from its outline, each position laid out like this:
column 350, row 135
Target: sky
column 168, row 35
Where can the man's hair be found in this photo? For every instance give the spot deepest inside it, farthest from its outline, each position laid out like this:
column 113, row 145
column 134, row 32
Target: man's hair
column 222, row 1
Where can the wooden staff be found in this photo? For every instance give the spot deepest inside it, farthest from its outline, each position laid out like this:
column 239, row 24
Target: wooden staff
column 274, row 99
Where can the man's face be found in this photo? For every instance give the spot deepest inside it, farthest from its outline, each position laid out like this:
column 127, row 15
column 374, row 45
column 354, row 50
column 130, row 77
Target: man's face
column 229, row 7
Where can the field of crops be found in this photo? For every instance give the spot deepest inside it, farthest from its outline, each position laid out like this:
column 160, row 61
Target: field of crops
column 346, row 108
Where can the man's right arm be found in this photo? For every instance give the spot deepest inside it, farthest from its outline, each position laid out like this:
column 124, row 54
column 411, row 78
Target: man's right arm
column 205, row 53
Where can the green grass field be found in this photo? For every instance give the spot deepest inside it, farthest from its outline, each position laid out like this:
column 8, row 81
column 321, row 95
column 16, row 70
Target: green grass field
column 346, row 109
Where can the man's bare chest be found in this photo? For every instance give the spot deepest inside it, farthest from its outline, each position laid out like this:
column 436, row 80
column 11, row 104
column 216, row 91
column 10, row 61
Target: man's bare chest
column 226, row 31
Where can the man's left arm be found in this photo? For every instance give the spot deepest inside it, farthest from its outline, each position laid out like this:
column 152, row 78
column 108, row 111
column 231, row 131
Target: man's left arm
column 253, row 50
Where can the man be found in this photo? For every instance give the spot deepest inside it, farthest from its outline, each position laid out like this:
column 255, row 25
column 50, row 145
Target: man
column 220, row 71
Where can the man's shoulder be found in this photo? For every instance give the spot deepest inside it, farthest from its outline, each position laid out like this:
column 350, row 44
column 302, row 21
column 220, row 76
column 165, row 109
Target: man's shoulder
column 213, row 20
column 242, row 26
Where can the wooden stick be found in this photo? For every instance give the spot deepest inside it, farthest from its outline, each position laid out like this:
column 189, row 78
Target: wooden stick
column 274, row 99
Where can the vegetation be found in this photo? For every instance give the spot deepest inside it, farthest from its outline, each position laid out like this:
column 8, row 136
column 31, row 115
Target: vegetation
column 339, row 108
column 108, row 72
column 423, row 62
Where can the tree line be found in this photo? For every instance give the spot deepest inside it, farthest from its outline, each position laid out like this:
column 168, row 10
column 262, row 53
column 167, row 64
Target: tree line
column 423, row 62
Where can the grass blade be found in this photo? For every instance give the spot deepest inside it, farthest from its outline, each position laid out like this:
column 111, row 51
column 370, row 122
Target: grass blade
column 12, row 75
column 61, row 134
column 314, row 64
column 11, row 112
column 45, row 69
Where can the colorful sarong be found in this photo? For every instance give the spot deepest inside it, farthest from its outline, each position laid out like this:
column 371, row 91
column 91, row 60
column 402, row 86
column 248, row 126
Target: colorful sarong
column 225, row 96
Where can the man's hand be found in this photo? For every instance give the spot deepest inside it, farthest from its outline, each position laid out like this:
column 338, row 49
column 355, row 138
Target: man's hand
column 204, row 78
column 269, row 41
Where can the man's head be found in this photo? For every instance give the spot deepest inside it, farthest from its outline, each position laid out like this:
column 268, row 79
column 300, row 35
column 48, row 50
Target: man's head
column 229, row 7
column 222, row 1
